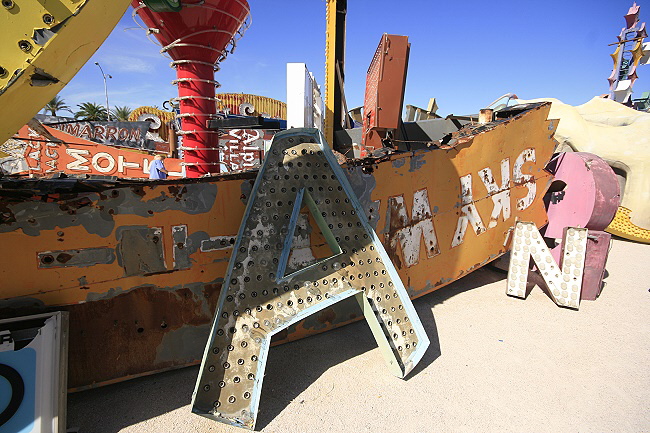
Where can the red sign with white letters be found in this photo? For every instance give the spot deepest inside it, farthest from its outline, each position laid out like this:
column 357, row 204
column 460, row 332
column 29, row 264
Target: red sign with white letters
column 76, row 155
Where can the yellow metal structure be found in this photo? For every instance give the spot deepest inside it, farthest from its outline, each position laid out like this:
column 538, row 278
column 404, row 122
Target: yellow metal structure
column 330, row 68
column 623, row 226
column 259, row 105
column 165, row 116
column 637, row 54
column 44, row 44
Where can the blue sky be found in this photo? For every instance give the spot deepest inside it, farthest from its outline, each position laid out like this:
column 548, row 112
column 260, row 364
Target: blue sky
column 465, row 54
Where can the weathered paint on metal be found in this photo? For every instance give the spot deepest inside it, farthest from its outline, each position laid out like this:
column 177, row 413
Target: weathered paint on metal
column 197, row 39
column 409, row 231
column 587, row 193
column 33, row 71
column 132, row 314
column 384, row 94
column 79, row 258
column 261, row 296
column 76, row 155
column 335, row 13
column 251, row 105
column 597, row 250
column 243, row 149
column 563, row 278
column 122, row 134
column 623, row 226
column 598, row 246
column 500, row 194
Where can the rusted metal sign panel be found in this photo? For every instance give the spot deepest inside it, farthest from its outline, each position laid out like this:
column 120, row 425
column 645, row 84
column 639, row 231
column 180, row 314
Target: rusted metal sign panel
column 261, row 296
column 243, row 149
column 439, row 212
column 76, row 155
column 385, row 83
column 121, row 134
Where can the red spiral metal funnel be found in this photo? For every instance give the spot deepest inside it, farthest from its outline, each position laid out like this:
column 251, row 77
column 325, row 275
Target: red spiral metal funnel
column 197, row 38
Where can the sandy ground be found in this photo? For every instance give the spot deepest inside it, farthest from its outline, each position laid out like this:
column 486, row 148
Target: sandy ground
column 495, row 364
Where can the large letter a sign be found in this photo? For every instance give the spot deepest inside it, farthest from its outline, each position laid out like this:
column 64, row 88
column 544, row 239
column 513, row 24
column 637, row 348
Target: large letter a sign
column 265, row 291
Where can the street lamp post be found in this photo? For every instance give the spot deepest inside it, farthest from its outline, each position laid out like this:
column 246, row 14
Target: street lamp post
column 108, row 111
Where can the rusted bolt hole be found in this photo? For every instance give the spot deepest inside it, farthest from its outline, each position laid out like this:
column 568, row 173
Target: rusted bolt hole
column 24, row 45
column 140, row 330
column 47, row 260
column 63, row 257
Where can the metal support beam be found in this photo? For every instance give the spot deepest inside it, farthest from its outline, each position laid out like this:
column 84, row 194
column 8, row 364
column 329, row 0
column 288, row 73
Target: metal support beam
column 336, row 11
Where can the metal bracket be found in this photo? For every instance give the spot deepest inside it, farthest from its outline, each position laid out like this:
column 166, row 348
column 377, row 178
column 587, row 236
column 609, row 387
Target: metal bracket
column 262, row 295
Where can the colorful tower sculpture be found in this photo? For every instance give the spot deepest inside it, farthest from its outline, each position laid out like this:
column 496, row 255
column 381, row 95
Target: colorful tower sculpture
column 628, row 55
column 197, row 37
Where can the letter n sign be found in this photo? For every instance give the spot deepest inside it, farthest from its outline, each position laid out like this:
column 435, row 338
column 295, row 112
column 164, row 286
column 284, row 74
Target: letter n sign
column 262, row 294
column 564, row 281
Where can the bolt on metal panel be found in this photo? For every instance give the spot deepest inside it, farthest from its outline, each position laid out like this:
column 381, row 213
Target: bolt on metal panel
column 564, row 280
column 262, row 295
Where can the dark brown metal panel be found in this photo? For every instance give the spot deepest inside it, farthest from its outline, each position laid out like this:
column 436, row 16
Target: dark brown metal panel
column 385, row 84
column 126, row 335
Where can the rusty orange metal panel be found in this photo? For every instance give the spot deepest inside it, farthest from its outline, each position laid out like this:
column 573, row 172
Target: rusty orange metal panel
column 139, row 265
